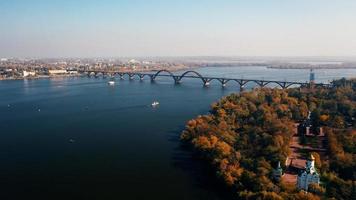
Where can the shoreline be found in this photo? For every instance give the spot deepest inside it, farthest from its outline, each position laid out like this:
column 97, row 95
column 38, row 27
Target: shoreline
column 38, row 77
column 308, row 67
column 82, row 74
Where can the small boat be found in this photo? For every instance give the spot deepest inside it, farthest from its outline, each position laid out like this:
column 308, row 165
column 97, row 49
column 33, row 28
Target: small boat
column 155, row 103
column 111, row 82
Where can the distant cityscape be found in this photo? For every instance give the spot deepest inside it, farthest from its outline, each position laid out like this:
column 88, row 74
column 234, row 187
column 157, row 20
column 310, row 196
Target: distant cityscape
column 14, row 68
column 28, row 68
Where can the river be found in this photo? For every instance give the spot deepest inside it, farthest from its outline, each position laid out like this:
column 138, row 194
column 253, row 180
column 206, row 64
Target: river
column 78, row 138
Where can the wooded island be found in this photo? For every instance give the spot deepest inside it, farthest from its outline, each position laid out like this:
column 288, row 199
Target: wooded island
column 247, row 135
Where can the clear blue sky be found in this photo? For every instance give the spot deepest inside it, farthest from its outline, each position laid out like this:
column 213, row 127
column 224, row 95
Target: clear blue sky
column 88, row 28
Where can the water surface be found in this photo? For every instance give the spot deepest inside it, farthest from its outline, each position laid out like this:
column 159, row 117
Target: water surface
column 78, row 138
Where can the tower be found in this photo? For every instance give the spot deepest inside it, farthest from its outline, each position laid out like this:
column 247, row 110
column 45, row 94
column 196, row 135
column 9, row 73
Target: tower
column 311, row 79
column 312, row 76
column 278, row 172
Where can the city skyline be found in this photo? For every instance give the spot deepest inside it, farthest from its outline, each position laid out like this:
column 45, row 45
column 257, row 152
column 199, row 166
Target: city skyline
column 160, row 28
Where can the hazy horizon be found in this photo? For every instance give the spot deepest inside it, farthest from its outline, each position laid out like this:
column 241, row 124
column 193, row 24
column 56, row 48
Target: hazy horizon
column 137, row 28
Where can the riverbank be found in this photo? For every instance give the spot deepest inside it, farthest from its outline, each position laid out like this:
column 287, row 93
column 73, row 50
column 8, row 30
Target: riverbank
column 39, row 77
column 312, row 67
column 172, row 69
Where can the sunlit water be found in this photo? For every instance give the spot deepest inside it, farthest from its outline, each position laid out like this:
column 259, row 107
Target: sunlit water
column 78, row 138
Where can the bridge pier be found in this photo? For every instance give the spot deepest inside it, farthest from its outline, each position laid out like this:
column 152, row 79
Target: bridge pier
column 131, row 76
column 284, row 85
column 206, row 82
column 260, row 83
column 242, row 88
column 120, row 75
column 223, row 82
column 177, row 80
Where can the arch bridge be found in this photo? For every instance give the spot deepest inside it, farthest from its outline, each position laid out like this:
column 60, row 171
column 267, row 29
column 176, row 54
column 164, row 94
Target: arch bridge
column 195, row 75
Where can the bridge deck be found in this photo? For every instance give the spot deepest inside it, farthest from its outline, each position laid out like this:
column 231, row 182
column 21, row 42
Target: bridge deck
column 206, row 79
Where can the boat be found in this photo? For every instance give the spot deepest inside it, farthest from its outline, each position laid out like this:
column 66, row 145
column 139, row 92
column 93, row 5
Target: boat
column 111, row 82
column 155, row 103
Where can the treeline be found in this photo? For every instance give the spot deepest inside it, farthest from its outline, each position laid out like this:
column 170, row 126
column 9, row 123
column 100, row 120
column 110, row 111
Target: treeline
column 247, row 134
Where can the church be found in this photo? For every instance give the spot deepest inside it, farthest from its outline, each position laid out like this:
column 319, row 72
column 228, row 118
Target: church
column 308, row 176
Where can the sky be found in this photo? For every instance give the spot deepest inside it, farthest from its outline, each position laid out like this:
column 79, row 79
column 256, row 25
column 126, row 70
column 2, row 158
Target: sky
column 124, row 28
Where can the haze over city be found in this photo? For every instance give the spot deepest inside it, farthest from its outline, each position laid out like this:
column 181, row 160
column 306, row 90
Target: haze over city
column 41, row 29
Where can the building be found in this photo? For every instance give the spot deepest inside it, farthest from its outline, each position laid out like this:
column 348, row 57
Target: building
column 278, row 172
column 57, row 71
column 312, row 76
column 306, row 128
column 72, row 71
column 28, row 73
column 308, row 175
column 133, row 61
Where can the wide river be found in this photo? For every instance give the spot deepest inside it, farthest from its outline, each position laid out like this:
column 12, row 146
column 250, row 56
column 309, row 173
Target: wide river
column 79, row 138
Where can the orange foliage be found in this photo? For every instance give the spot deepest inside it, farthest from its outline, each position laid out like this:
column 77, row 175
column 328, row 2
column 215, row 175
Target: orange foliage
column 324, row 118
column 223, row 148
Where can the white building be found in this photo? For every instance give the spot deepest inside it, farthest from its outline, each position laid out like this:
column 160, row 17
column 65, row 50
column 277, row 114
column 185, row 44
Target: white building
column 28, row 73
column 308, row 176
column 57, row 71
column 133, row 61
column 72, row 71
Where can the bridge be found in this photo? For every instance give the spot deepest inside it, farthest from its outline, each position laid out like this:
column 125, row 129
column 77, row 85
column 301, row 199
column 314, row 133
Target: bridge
column 195, row 75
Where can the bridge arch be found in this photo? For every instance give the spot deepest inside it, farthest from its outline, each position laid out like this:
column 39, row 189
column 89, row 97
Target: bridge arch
column 193, row 72
column 238, row 81
column 161, row 71
column 143, row 75
column 136, row 74
column 216, row 79
column 243, row 82
column 153, row 77
column 291, row 84
column 125, row 74
column 280, row 84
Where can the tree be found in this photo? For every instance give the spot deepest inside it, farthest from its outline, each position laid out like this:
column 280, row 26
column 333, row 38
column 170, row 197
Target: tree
column 316, row 189
column 245, row 134
column 317, row 159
